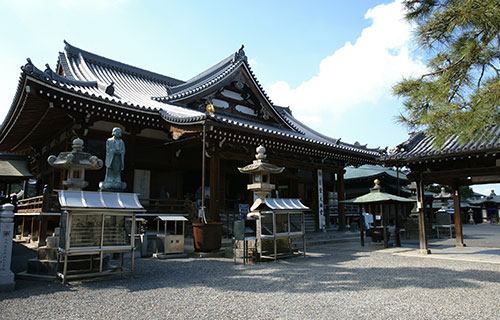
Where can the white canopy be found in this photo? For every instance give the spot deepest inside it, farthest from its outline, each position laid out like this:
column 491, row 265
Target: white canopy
column 100, row 200
column 172, row 218
column 279, row 204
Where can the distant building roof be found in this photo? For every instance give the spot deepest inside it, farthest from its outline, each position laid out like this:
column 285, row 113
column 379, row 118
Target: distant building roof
column 371, row 171
column 377, row 196
column 421, row 146
column 492, row 198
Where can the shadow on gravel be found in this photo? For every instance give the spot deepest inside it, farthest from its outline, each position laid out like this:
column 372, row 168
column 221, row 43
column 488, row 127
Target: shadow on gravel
column 321, row 271
column 345, row 267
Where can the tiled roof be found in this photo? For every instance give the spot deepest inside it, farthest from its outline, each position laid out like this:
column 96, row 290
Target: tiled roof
column 100, row 78
column 308, row 136
column 369, row 170
column 422, row 146
column 211, row 77
column 95, row 77
column 492, row 198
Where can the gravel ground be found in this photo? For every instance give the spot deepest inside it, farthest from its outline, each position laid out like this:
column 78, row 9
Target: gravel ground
column 337, row 281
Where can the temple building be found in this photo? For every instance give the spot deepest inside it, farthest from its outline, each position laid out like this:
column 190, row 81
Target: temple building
column 164, row 123
column 455, row 163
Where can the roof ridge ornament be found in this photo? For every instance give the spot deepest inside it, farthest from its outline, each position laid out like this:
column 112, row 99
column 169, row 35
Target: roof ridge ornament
column 110, row 89
column 376, row 187
column 48, row 70
column 28, row 67
column 240, row 55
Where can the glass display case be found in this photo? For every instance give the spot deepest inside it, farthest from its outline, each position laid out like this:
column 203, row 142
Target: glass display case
column 280, row 221
column 96, row 226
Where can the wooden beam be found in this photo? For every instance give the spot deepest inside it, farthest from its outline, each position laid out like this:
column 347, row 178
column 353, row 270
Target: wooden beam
column 436, row 176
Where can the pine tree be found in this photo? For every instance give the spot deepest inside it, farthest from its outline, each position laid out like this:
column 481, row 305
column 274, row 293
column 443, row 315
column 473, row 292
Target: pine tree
column 460, row 93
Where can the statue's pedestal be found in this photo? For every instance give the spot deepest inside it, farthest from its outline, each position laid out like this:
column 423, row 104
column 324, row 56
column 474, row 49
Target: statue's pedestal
column 112, row 186
column 6, row 233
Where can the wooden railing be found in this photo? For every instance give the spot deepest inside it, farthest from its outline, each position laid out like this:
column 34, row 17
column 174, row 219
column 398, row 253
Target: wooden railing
column 43, row 203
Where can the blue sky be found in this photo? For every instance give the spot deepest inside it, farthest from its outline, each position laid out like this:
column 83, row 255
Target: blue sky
column 332, row 62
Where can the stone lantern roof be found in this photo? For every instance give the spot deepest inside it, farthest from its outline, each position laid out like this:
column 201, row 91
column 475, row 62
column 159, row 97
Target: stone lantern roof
column 76, row 162
column 261, row 165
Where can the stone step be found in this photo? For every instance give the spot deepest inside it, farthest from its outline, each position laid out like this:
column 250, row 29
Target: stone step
column 32, row 276
column 45, row 267
column 45, row 253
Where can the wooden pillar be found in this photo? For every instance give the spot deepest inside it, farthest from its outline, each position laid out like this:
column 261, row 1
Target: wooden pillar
column 341, row 196
column 43, row 231
column 397, row 237
column 422, row 232
column 22, row 228
column 130, row 155
column 384, row 220
column 32, row 229
column 214, row 188
column 458, row 218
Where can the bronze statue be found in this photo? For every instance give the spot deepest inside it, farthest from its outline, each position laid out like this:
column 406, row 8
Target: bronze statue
column 115, row 162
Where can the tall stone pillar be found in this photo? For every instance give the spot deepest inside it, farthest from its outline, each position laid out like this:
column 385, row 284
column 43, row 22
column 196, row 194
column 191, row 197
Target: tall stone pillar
column 6, row 234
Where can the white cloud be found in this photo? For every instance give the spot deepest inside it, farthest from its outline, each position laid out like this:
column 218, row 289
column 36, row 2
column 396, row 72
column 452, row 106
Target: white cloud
column 357, row 74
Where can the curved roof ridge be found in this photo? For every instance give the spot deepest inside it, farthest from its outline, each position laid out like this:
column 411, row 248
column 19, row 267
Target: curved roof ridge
column 70, row 49
column 205, row 74
column 205, row 79
column 29, row 68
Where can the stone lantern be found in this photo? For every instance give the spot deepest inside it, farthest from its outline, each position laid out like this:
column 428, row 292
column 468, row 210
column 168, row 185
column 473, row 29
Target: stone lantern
column 76, row 162
column 261, row 171
column 274, row 219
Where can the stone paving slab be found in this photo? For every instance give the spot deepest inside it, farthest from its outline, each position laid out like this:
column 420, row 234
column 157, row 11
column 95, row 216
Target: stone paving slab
column 470, row 254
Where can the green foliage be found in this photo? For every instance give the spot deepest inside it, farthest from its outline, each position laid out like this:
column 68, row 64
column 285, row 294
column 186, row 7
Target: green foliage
column 465, row 192
column 460, row 94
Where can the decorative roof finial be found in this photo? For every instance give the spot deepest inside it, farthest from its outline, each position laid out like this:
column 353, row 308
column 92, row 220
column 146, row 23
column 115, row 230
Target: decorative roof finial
column 261, row 153
column 210, row 108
